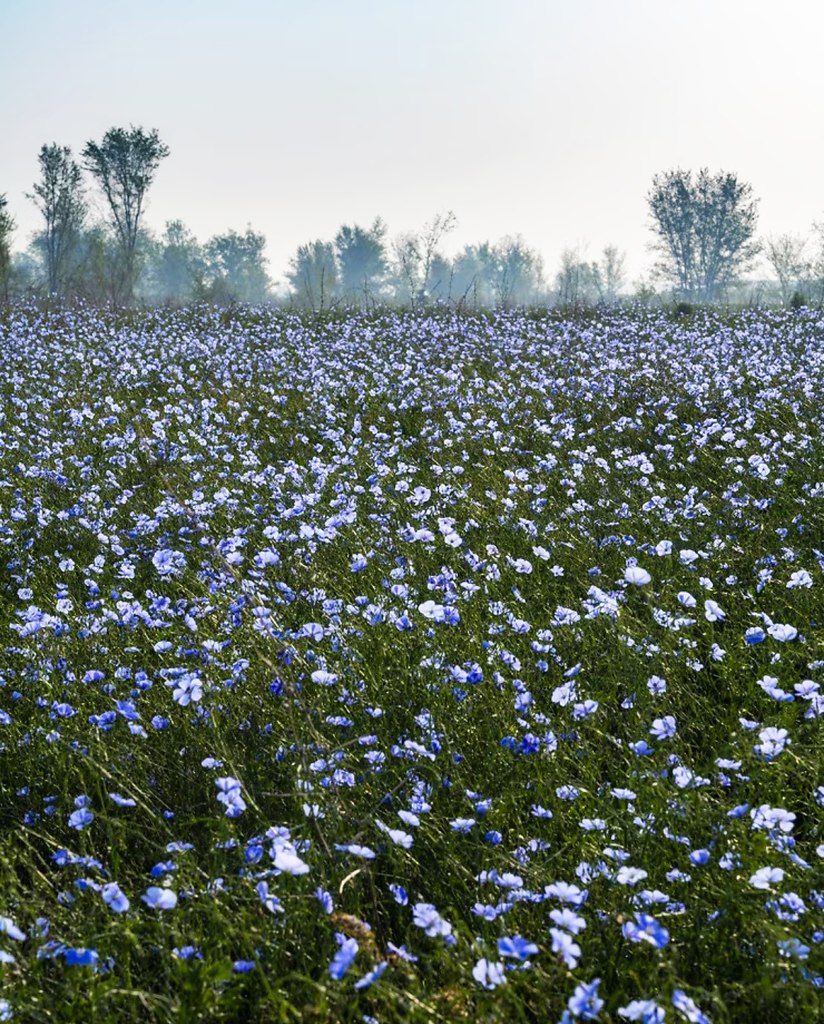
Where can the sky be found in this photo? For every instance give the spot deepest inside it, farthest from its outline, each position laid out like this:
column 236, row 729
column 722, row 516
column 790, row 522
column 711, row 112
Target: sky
column 535, row 117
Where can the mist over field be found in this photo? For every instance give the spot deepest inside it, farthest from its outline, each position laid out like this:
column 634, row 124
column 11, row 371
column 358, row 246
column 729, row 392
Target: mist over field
column 540, row 125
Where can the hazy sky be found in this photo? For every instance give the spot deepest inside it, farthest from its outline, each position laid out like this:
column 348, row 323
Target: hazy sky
column 541, row 118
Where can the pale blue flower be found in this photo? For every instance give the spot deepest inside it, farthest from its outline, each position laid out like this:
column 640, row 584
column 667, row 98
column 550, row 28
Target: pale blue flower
column 489, row 974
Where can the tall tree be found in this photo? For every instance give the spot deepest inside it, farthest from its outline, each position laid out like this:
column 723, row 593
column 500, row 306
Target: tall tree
column 704, row 228
column 96, row 267
column 816, row 269
column 786, row 255
column 473, row 271
column 516, row 273
column 406, row 268
column 6, row 228
column 610, row 274
column 313, row 274
column 361, row 256
column 124, row 164
column 577, row 283
column 178, row 264
column 415, row 255
column 431, row 237
column 58, row 195
column 236, row 264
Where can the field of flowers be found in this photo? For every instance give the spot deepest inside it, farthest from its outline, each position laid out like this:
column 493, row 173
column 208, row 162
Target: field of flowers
column 406, row 667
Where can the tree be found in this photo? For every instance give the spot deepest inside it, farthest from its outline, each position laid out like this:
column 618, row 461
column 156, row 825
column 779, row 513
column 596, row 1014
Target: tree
column 6, row 228
column 313, row 274
column 236, row 266
column 178, row 265
column 610, row 274
column 704, row 228
column 817, row 264
column 361, row 257
column 786, row 255
column 94, row 271
column 124, row 164
column 433, row 232
column 440, row 278
column 577, row 282
column 514, row 271
column 58, row 195
column 473, row 271
column 416, row 255
column 406, row 267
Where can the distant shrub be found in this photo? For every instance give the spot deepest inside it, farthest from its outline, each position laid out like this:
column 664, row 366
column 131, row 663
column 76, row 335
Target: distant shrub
column 798, row 300
column 684, row 308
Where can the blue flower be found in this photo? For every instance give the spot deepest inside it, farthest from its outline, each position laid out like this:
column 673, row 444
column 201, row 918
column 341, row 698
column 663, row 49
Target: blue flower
column 81, row 818
column 635, row 574
column 159, row 898
column 372, row 976
column 230, row 795
column 755, row 635
column 81, row 957
column 585, row 1002
column 287, row 861
column 8, row 927
column 399, row 893
column 187, row 953
column 645, row 1011
column 114, row 898
column 356, row 850
column 168, row 562
column 344, row 957
column 663, row 728
column 685, row 1006
column 122, row 801
column 646, row 929
column 325, row 899
column 763, row 878
column 516, row 947
column 563, row 943
column 426, row 916
column 188, row 689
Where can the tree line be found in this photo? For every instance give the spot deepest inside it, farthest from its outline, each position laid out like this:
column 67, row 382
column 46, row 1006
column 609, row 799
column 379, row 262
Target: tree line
column 118, row 260
column 703, row 234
